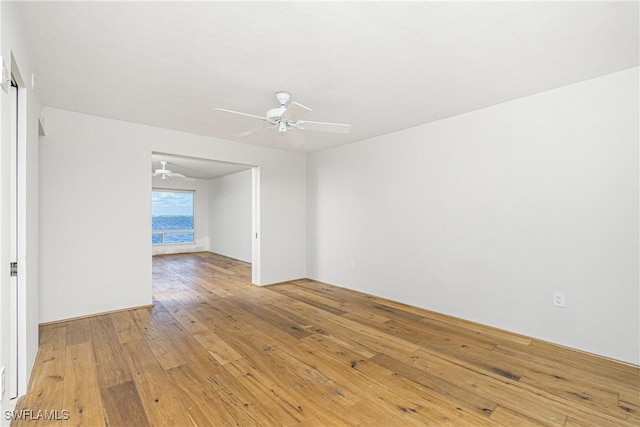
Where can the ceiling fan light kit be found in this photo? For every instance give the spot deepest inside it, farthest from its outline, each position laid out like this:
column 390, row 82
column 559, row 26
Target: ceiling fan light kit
column 288, row 117
column 274, row 113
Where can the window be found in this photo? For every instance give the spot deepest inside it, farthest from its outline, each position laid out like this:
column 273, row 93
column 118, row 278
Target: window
column 172, row 217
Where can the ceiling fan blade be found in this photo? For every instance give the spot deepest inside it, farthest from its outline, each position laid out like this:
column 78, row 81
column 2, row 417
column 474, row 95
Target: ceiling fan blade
column 239, row 113
column 295, row 139
column 179, row 175
column 249, row 132
column 295, row 111
column 324, row 126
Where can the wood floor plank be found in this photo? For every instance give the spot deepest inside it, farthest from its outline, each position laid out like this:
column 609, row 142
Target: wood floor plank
column 535, row 403
column 413, row 402
column 78, row 332
column 125, row 326
column 153, row 329
column 365, row 317
column 47, row 379
column 479, row 404
column 217, row 347
column 300, row 295
column 110, row 363
column 600, row 369
column 122, row 406
column 156, row 390
column 199, row 400
column 508, row 417
column 245, row 406
column 307, row 384
column 81, row 393
column 374, row 338
column 216, row 350
column 272, row 317
column 188, row 322
column 592, row 389
column 254, row 379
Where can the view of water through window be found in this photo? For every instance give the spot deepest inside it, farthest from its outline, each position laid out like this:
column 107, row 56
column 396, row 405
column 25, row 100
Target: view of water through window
column 172, row 216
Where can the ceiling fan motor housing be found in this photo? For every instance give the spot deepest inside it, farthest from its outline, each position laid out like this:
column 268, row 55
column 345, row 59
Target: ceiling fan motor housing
column 283, row 98
column 275, row 113
column 163, row 169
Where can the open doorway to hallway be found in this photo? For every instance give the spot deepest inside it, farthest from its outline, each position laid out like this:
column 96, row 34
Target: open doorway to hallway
column 203, row 205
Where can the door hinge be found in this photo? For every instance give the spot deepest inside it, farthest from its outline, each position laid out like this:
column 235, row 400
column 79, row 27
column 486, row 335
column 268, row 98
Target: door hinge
column 13, row 269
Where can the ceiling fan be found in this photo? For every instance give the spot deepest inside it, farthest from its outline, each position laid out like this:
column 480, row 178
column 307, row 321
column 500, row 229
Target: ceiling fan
column 166, row 173
column 288, row 118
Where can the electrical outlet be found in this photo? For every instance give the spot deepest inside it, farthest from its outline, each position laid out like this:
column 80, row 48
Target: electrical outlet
column 2, row 376
column 352, row 263
column 558, row 299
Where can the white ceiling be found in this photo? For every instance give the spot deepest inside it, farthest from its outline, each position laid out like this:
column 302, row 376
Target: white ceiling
column 380, row 66
column 194, row 167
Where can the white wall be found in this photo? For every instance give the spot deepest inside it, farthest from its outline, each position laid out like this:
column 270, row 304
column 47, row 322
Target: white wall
column 201, row 214
column 230, row 215
column 95, row 219
column 14, row 44
column 484, row 215
column 95, row 241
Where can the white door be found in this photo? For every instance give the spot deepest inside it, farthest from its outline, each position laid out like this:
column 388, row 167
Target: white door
column 12, row 371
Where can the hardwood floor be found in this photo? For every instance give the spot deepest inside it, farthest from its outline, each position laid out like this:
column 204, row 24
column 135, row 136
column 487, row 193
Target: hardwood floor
column 216, row 350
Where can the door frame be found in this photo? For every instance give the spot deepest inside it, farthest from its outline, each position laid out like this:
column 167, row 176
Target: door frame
column 16, row 376
column 11, row 382
column 255, row 225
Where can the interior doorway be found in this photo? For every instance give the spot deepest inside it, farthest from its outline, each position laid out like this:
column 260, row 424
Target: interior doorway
column 206, row 205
